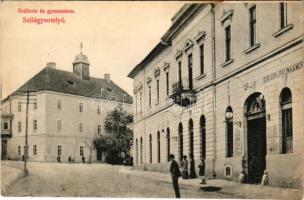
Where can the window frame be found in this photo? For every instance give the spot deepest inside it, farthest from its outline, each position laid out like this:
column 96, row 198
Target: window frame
column 19, row 126
column 35, row 125
column 59, row 150
column 59, row 104
column 228, row 49
column 34, row 150
column 61, row 125
column 81, row 151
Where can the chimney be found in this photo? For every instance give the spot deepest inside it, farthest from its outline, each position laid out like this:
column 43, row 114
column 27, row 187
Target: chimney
column 107, row 77
column 51, row 65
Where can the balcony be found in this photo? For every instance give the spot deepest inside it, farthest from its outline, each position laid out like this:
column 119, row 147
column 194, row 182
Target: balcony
column 6, row 133
column 182, row 96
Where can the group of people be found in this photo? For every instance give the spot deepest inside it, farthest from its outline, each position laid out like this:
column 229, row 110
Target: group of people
column 177, row 172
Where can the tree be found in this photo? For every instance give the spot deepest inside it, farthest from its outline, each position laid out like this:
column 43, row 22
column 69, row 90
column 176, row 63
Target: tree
column 116, row 141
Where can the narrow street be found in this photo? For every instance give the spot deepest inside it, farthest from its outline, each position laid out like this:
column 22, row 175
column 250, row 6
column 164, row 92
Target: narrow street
column 93, row 180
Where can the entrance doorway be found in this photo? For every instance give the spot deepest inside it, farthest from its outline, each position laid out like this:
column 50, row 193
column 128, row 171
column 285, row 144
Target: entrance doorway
column 256, row 137
column 3, row 149
column 99, row 154
column 256, row 149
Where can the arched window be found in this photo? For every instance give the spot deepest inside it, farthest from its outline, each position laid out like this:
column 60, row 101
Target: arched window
column 229, row 131
column 181, row 141
column 168, row 144
column 141, row 150
column 286, row 116
column 190, row 125
column 150, row 148
column 203, row 136
column 158, row 146
column 136, row 150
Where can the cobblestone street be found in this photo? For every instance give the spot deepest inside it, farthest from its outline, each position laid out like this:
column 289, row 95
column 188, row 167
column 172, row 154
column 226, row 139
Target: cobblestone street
column 103, row 180
column 94, row 180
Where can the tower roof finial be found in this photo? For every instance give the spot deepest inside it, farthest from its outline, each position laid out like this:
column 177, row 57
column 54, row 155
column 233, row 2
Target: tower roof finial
column 81, row 46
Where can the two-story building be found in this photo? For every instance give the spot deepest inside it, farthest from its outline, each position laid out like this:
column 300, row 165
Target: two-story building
column 66, row 112
column 225, row 83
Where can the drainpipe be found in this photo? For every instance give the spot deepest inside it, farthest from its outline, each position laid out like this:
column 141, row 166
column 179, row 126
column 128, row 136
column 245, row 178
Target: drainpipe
column 214, row 87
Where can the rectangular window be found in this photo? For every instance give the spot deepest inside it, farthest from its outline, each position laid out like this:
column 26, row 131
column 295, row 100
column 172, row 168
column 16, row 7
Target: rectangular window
column 19, row 127
column 59, row 104
column 190, row 63
column 228, row 43
column 150, row 97
column 35, row 106
column 157, row 90
column 59, row 125
column 81, row 107
column 19, row 150
column 140, row 102
column 35, row 125
column 202, row 59
column 59, row 150
column 229, row 139
column 80, row 127
column 5, row 125
column 167, row 83
column 19, row 106
column 81, row 151
column 34, row 150
column 287, row 130
column 283, row 15
column 99, row 129
column 180, row 74
column 252, row 25
column 98, row 110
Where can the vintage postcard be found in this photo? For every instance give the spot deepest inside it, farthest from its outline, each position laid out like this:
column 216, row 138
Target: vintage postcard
column 159, row 99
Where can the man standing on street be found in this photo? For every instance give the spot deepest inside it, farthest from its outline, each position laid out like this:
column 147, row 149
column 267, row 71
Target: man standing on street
column 175, row 173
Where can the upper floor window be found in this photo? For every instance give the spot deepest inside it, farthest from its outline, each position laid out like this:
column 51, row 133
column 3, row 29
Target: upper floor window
column 19, row 127
column 167, row 83
column 190, row 71
column 35, row 106
column 135, row 104
column 34, row 124
column 180, row 73
column 81, row 107
column 228, row 43
column 19, row 106
column 34, row 150
column 59, row 104
column 99, row 129
column 140, row 102
column 59, row 125
column 81, row 128
column 252, row 25
column 5, row 125
column 98, row 110
column 150, row 95
column 283, row 15
column 157, row 90
column 202, row 59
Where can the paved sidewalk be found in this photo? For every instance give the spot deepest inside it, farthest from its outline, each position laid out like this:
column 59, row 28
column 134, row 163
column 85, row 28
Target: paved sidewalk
column 224, row 187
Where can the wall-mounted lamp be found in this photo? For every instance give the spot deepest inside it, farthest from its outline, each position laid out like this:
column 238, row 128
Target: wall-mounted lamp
column 229, row 113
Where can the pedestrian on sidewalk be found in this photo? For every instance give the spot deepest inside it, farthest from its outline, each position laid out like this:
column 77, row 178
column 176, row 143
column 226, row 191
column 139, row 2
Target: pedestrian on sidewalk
column 192, row 167
column 201, row 172
column 184, row 167
column 175, row 174
column 83, row 159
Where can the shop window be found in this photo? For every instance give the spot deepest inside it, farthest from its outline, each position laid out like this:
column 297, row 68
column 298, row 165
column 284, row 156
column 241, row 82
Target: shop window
column 286, row 112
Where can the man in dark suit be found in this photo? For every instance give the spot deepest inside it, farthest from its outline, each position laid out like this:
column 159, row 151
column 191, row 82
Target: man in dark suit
column 175, row 173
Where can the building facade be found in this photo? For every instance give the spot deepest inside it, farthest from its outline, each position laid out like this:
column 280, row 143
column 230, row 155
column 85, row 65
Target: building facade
column 66, row 112
column 225, row 83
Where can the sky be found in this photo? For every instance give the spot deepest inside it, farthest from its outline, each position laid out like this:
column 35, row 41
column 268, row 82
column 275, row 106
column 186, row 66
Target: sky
column 115, row 35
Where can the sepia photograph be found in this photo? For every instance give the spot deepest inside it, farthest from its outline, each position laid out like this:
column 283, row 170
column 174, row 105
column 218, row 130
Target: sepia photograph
column 152, row 99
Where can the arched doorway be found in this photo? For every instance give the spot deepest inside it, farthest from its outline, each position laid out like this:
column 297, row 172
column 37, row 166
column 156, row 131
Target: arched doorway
column 255, row 112
column 180, row 141
column 203, row 136
column 191, row 152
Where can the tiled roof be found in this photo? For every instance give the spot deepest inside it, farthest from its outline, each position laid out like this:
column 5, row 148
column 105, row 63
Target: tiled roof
column 52, row 79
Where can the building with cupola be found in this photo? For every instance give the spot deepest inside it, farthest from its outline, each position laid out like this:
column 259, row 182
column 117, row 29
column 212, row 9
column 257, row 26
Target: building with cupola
column 225, row 84
column 66, row 112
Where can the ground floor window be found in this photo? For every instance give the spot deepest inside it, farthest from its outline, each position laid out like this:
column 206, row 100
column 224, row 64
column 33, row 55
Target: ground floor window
column 158, row 146
column 19, row 150
column 286, row 110
column 34, row 150
column 59, row 150
column 81, row 151
column 141, row 150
